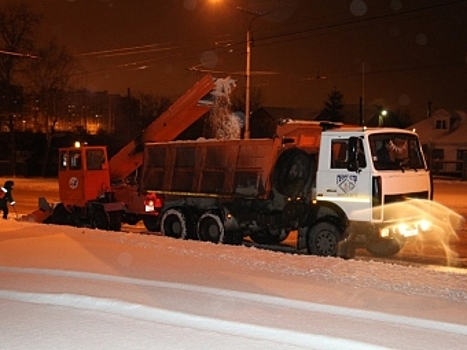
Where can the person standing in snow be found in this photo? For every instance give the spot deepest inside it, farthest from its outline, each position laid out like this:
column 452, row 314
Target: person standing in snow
column 6, row 197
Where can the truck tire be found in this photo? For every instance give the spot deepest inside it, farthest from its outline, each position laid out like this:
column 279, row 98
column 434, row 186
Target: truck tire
column 131, row 219
column 292, row 172
column 60, row 215
column 173, row 224
column 100, row 219
column 115, row 221
column 211, row 228
column 385, row 247
column 267, row 237
column 323, row 239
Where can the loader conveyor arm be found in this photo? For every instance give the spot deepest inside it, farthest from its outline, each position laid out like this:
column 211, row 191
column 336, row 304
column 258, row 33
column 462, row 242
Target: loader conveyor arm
column 184, row 112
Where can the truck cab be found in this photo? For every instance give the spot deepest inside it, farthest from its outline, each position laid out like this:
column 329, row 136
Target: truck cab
column 372, row 176
column 83, row 174
column 84, row 188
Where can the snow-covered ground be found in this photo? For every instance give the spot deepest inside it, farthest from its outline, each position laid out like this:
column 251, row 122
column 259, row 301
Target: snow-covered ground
column 74, row 288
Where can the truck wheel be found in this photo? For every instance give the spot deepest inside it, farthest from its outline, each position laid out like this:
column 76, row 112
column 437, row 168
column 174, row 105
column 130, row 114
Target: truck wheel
column 385, row 247
column 60, row 215
column 131, row 219
column 150, row 223
column 115, row 221
column 100, row 219
column 173, row 224
column 323, row 239
column 211, row 228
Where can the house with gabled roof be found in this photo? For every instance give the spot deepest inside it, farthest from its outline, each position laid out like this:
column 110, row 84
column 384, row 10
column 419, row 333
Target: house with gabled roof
column 263, row 122
column 444, row 139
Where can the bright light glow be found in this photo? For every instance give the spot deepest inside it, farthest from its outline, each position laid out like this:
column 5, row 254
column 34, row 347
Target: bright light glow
column 149, row 206
column 345, row 199
column 77, row 144
column 406, row 231
column 384, row 232
column 425, row 225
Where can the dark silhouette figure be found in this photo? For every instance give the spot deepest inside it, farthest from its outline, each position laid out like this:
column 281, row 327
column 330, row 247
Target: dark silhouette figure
column 6, row 197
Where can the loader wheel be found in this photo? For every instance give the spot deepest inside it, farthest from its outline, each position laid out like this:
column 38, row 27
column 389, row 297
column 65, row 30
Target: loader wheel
column 115, row 219
column 385, row 247
column 100, row 220
column 291, row 172
column 173, row 224
column 323, row 239
column 60, row 215
column 211, row 228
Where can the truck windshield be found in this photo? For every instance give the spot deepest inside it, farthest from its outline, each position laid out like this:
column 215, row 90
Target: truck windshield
column 396, row 151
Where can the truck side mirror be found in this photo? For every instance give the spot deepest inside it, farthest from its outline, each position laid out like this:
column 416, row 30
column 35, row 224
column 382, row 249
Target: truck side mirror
column 352, row 155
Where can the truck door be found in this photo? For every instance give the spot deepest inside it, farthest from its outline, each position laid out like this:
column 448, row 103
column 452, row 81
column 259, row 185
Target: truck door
column 70, row 176
column 348, row 189
column 83, row 174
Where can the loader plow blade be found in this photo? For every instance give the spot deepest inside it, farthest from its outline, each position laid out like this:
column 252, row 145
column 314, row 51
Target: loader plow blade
column 41, row 214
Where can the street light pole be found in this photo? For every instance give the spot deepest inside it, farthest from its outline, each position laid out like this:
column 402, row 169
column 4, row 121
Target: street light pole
column 363, row 96
column 248, row 82
column 248, row 66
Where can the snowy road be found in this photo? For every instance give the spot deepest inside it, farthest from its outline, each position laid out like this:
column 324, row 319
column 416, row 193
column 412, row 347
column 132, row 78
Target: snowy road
column 71, row 288
column 451, row 251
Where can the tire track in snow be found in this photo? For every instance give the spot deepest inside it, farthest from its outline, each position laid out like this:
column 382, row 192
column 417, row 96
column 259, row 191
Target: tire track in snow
column 178, row 319
column 339, row 311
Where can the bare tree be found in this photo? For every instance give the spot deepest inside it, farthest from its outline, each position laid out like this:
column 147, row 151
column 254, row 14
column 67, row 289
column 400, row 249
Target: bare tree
column 18, row 23
column 151, row 107
column 47, row 79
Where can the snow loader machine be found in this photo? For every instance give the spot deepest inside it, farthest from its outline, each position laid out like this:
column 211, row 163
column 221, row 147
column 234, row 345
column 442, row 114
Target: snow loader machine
column 95, row 191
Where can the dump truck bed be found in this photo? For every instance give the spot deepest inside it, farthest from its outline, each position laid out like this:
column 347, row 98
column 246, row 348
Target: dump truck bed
column 210, row 168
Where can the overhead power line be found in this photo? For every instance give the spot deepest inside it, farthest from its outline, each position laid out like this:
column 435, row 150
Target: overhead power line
column 18, row 54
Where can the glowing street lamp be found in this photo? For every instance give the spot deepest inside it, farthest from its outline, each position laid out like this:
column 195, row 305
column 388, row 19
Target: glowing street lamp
column 382, row 114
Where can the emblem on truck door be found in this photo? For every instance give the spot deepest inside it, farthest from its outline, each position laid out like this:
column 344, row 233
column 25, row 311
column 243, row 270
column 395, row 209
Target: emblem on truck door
column 346, row 182
column 73, row 183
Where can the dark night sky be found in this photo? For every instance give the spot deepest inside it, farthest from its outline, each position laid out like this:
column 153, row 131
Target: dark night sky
column 412, row 51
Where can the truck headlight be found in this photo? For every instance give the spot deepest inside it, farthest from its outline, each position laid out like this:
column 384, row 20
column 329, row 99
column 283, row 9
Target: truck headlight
column 425, row 225
column 384, row 232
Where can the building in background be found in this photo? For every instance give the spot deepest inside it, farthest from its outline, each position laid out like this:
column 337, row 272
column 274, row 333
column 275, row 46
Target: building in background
column 444, row 138
column 79, row 111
